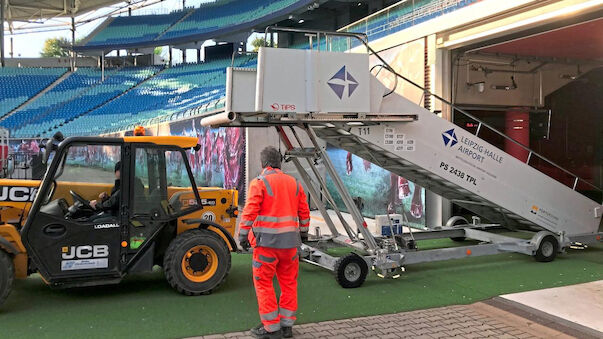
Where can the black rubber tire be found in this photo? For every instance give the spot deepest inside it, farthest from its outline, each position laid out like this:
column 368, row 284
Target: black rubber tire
column 7, row 276
column 459, row 222
column 544, row 253
column 340, row 270
column 172, row 262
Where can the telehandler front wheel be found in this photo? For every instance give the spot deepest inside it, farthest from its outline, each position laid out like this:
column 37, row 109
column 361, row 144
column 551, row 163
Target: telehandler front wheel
column 7, row 275
column 196, row 262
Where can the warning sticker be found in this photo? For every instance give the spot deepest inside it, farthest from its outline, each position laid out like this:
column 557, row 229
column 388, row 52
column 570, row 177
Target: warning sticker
column 209, row 216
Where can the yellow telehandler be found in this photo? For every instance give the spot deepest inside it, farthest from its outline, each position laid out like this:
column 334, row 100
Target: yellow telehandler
column 155, row 215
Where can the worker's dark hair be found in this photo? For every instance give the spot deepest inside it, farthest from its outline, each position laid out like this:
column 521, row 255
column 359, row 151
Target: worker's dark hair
column 117, row 166
column 270, row 156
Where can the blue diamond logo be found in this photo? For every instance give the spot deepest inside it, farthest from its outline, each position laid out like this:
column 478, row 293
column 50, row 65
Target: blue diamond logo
column 449, row 138
column 340, row 81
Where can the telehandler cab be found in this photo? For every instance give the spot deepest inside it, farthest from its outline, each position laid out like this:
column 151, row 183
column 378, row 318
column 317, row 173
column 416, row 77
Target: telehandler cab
column 161, row 217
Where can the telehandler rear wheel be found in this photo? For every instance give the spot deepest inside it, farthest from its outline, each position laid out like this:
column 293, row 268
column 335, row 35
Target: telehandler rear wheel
column 7, row 275
column 197, row 262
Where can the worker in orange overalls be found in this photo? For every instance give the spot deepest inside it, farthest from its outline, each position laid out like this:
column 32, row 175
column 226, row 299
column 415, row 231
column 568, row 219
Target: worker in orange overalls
column 274, row 222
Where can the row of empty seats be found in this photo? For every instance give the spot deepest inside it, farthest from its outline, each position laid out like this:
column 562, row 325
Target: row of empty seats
column 172, row 91
column 17, row 85
column 205, row 21
column 81, row 92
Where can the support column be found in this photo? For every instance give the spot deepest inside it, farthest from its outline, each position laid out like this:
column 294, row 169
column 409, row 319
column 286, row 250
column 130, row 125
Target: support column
column 438, row 209
column 72, row 43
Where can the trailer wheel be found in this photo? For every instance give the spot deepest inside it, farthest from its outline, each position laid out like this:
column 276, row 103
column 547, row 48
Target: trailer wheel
column 197, row 262
column 350, row 271
column 547, row 249
column 7, row 275
column 455, row 221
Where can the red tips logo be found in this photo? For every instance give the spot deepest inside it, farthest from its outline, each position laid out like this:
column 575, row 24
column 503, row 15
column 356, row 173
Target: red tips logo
column 283, row 107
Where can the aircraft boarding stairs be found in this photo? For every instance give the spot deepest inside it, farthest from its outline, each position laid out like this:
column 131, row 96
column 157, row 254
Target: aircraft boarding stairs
column 333, row 96
column 341, row 102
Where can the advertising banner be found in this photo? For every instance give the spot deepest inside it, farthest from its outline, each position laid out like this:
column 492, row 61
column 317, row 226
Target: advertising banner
column 378, row 189
column 220, row 162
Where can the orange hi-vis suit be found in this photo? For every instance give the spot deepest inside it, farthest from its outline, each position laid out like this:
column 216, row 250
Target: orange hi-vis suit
column 275, row 214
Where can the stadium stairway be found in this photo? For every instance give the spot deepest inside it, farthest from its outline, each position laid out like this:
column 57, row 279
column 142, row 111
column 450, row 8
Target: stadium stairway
column 174, row 24
column 100, row 28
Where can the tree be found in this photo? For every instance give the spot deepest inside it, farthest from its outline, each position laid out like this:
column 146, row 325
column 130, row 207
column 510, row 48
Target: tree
column 259, row 42
column 55, row 47
column 158, row 50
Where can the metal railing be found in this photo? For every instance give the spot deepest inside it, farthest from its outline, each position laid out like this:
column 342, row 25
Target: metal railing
column 363, row 38
column 22, row 165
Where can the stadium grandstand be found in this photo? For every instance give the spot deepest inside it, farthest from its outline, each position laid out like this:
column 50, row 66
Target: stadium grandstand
column 37, row 101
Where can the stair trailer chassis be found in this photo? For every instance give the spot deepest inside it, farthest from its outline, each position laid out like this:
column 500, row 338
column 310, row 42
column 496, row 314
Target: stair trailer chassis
column 254, row 98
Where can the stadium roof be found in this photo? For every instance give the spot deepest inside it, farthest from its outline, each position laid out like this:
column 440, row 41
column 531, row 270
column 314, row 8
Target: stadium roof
column 31, row 10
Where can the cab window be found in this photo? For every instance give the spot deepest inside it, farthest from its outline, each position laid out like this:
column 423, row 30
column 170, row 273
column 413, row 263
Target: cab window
column 87, row 170
column 162, row 185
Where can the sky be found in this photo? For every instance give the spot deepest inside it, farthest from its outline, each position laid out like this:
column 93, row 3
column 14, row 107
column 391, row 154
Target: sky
column 30, row 45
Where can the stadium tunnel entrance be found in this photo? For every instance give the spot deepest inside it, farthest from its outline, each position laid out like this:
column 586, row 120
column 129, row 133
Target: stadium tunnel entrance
column 540, row 87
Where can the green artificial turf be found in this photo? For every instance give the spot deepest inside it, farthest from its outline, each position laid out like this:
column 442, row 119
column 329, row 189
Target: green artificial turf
column 145, row 306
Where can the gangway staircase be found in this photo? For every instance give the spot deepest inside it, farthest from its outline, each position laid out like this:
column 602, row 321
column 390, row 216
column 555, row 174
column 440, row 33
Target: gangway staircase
column 333, row 96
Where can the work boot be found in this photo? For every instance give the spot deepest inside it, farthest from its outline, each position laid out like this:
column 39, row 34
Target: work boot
column 287, row 331
column 260, row 332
